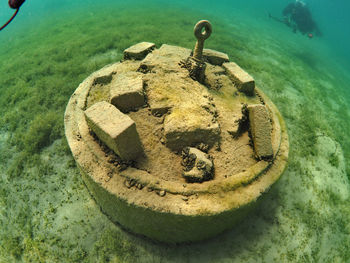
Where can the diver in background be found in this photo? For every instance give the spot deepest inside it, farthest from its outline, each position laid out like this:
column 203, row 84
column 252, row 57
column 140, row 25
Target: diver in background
column 298, row 17
column 14, row 4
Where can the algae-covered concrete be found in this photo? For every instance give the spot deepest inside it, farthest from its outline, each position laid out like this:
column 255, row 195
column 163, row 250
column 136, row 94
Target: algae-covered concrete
column 149, row 196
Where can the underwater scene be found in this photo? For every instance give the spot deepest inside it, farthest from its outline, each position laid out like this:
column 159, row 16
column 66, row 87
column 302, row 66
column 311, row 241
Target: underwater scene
column 298, row 54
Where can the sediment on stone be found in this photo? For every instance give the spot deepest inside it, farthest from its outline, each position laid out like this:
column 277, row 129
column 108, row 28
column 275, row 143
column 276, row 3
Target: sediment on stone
column 242, row 79
column 138, row 51
column 126, row 92
column 260, row 127
column 115, row 129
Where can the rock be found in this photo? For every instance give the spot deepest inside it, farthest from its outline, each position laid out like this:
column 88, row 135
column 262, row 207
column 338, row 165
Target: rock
column 260, row 127
column 245, row 83
column 138, row 51
column 126, row 92
column 214, row 57
column 201, row 169
column 189, row 127
column 161, row 193
column 115, row 129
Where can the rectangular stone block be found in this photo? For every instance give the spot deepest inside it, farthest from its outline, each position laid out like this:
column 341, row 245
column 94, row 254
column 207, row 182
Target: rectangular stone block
column 116, row 129
column 138, row 51
column 260, row 127
column 215, row 57
column 127, row 93
column 244, row 82
column 189, row 127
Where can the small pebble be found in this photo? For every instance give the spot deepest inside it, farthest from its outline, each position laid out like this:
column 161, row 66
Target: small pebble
column 161, row 193
column 127, row 184
column 185, row 198
column 132, row 182
column 122, row 167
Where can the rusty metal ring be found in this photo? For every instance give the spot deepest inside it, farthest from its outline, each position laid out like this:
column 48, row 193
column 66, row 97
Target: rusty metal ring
column 199, row 27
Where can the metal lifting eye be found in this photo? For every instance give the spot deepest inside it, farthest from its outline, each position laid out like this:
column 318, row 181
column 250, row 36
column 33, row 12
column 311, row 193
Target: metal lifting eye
column 202, row 30
column 14, row 4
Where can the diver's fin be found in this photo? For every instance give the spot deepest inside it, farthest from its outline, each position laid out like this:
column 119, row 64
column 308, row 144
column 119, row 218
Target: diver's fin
column 8, row 22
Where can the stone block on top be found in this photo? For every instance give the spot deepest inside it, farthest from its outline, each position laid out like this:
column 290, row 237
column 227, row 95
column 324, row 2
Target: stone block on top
column 189, row 127
column 260, row 127
column 244, row 82
column 126, row 92
column 116, row 129
column 139, row 51
column 215, row 57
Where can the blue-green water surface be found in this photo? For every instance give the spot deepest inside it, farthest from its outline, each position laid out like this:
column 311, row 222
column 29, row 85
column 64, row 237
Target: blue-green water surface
column 47, row 214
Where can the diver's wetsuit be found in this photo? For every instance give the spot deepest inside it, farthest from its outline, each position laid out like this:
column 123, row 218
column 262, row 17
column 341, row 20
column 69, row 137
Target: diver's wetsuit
column 298, row 16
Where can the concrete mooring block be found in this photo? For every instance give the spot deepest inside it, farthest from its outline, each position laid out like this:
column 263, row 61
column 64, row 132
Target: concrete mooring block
column 116, row 129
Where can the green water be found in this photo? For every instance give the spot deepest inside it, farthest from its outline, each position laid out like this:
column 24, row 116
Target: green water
column 46, row 213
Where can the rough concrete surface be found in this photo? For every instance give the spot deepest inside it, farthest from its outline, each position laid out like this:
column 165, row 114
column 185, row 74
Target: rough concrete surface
column 166, row 58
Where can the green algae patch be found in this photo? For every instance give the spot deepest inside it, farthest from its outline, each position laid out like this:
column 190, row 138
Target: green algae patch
column 43, row 131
